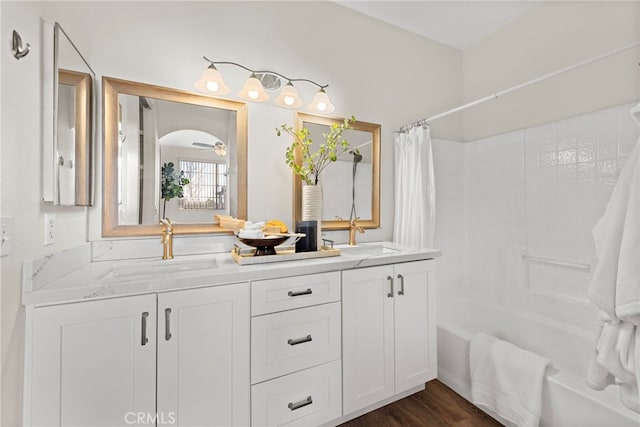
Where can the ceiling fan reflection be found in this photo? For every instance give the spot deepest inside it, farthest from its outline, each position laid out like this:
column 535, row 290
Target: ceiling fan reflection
column 219, row 147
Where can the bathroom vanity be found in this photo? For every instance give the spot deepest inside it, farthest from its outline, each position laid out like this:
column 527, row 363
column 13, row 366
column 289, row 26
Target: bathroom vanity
column 200, row 340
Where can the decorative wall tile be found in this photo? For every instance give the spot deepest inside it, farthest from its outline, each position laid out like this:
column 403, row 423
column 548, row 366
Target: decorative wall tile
column 540, row 191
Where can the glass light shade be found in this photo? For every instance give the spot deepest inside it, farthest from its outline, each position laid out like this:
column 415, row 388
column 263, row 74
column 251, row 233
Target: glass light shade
column 253, row 90
column 211, row 82
column 321, row 103
column 288, row 97
column 219, row 148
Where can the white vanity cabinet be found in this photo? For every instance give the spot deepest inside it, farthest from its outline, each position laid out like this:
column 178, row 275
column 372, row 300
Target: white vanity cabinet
column 92, row 361
column 95, row 362
column 203, row 356
column 306, row 343
column 295, row 350
column 389, row 332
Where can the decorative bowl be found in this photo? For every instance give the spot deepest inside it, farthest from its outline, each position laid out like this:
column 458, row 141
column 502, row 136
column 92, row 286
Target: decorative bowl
column 266, row 246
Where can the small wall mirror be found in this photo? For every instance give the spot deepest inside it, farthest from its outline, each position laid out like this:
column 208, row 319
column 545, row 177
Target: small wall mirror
column 350, row 182
column 68, row 151
column 149, row 129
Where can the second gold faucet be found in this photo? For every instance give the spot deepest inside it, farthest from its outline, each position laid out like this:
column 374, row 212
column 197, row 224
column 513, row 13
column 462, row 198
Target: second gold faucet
column 353, row 227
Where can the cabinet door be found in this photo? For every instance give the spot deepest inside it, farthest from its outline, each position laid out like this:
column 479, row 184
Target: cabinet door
column 93, row 363
column 367, row 337
column 415, row 325
column 203, row 356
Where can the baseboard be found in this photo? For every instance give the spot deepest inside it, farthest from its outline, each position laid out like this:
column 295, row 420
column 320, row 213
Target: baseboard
column 373, row 407
column 454, row 383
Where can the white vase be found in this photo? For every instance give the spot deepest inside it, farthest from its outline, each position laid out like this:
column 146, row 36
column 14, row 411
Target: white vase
column 312, row 207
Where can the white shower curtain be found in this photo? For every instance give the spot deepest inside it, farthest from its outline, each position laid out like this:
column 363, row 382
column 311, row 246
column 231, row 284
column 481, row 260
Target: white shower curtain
column 415, row 193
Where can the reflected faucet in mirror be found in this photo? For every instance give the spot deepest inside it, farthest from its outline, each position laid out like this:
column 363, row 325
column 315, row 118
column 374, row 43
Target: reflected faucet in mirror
column 167, row 238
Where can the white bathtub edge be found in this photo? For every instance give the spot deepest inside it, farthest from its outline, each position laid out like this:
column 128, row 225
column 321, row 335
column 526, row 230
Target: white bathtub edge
column 557, row 385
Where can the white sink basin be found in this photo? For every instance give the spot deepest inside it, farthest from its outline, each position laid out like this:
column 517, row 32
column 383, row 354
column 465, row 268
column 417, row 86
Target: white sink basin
column 367, row 249
column 155, row 268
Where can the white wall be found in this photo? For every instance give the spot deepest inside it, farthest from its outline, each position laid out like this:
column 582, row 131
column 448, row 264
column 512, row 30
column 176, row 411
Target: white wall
column 551, row 36
column 451, row 205
column 372, row 69
column 20, row 184
column 175, row 37
column 538, row 165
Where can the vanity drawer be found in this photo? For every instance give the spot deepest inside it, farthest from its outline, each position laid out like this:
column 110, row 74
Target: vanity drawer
column 293, row 340
column 310, row 397
column 269, row 296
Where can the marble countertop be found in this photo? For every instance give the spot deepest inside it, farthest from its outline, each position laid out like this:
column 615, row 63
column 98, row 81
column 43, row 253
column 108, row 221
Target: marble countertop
column 108, row 279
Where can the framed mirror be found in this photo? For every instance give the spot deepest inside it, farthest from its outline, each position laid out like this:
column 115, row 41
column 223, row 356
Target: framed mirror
column 69, row 124
column 151, row 132
column 349, row 183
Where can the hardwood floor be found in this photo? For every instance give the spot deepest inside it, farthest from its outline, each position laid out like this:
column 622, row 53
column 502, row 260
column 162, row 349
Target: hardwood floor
column 437, row 405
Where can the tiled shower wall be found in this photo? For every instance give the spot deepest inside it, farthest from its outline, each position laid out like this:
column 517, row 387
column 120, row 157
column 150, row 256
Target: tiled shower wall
column 536, row 192
column 571, row 168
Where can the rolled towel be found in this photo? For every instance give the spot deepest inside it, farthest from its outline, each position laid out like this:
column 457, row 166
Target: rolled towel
column 506, row 379
column 251, row 234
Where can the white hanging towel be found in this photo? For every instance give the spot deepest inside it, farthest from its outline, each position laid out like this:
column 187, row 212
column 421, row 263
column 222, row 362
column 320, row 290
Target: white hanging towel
column 506, row 379
column 615, row 286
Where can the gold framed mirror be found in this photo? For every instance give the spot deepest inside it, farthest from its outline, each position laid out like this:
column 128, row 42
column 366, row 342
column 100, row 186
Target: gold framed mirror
column 74, row 135
column 345, row 182
column 147, row 127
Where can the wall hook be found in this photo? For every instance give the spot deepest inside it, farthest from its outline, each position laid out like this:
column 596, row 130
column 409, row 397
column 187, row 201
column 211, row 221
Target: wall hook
column 18, row 50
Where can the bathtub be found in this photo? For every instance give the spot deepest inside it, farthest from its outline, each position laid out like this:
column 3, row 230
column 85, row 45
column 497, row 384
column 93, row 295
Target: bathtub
column 566, row 400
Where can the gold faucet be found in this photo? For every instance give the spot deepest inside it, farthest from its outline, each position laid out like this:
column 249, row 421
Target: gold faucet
column 167, row 238
column 353, row 226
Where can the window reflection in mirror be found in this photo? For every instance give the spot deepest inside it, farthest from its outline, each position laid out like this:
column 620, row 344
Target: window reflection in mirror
column 196, row 139
column 204, row 138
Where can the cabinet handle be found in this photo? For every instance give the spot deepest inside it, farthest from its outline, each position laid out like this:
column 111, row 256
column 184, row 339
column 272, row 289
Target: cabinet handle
column 297, row 294
column 144, row 340
column 300, row 340
column 401, row 291
column 167, row 324
column 301, row 404
column 390, row 294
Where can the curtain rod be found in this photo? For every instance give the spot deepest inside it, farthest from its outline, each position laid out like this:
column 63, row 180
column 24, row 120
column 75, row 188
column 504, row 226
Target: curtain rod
column 519, row 86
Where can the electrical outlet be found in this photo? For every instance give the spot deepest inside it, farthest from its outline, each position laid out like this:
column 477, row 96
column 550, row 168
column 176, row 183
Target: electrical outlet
column 49, row 229
column 6, row 231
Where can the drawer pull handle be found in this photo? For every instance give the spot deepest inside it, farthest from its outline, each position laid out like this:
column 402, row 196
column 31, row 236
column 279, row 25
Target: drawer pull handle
column 301, row 404
column 144, row 339
column 167, row 324
column 300, row 340
column 401, row 291
column 297, row 294
column 390, row 294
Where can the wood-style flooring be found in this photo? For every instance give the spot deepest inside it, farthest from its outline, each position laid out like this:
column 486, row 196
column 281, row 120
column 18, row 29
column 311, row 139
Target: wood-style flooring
column 437, row 405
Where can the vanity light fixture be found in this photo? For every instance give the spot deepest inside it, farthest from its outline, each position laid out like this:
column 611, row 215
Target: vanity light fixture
column 211, row 83
column 253, row 90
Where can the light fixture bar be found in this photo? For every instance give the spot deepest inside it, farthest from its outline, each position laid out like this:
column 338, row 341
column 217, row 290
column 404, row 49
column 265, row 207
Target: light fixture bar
column 264, row 72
